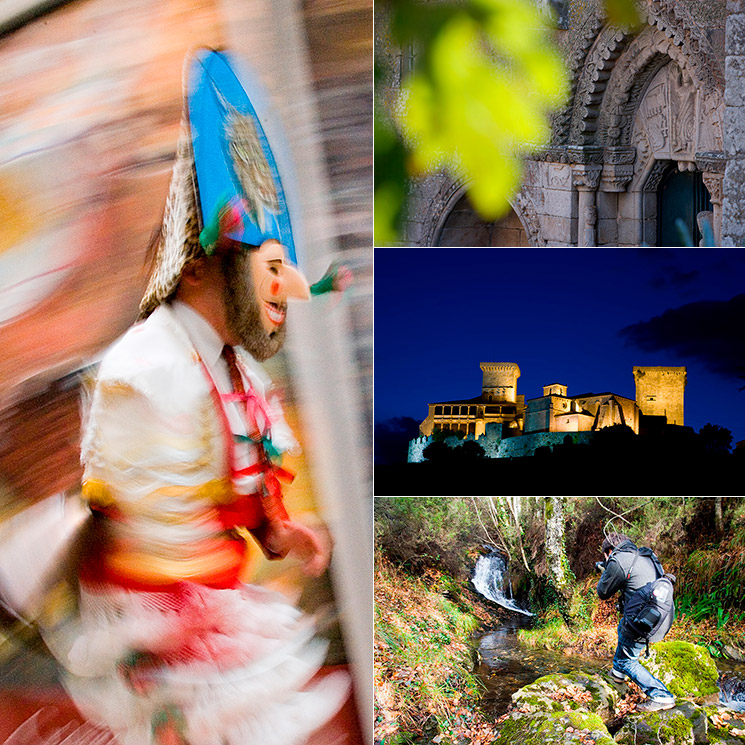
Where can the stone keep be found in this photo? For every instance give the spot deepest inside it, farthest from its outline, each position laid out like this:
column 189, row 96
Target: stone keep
column 659, row 391
column 499, row 381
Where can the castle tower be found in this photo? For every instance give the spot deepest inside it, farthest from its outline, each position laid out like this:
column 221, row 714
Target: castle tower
column 500, row 381
column 659, row 391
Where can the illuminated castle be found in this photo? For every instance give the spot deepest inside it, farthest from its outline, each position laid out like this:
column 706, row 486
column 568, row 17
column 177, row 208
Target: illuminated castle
column 506, row 425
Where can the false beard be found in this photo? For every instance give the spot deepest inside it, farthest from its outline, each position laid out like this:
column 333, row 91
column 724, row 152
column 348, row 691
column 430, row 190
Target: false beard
column 243, row 311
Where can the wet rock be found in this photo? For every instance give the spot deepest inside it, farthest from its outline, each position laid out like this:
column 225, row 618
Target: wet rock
column 724, row 728
column 553, row 728
column 671, row 727
column 686, row 724
column 732, row 691
column 569, row 692
column 734, row 653
column 688, row 670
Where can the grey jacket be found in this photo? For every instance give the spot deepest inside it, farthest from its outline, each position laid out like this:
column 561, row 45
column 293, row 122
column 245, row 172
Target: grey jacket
column 623, row 574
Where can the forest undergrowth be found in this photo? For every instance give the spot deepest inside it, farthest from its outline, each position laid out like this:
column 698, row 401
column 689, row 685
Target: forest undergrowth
column 424, row 684
column 427, row 612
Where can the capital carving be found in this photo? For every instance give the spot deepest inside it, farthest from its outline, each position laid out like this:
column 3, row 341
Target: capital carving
column 585, row 154
column 556, row 154
column 713, row 182
column 617, row 177
column 712, row 162
column 586, row 178
column 620, row 155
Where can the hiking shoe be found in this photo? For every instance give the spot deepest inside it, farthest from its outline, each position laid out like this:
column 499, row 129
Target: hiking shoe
column 659, row 704
column 617, row 675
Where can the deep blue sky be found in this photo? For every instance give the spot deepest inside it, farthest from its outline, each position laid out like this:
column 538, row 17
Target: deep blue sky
column 558, row 313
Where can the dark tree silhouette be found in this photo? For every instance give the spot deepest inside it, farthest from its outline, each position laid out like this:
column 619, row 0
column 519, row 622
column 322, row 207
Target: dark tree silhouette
column 715, row 439
column 392, row 439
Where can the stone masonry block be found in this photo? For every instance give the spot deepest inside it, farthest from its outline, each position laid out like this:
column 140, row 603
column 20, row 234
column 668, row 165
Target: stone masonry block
column 734, row 73
column 735, row 43
column 607, row 232
column 627, row 235
column 733, row 204
column 734, row 130
column 557, row 229
column 558, row 203
column 736, row 6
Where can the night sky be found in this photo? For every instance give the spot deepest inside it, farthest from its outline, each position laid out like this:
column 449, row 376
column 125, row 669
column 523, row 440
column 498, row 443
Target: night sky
column 580, row 317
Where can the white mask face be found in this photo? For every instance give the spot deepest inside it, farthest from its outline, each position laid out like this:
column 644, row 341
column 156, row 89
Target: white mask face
column 274, row 280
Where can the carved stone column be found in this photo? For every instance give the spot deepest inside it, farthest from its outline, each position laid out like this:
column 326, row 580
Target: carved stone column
column 712, row 166
column 585, row 178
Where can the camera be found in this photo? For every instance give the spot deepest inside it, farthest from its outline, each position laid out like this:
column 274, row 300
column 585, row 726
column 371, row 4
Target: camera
column 600, row 566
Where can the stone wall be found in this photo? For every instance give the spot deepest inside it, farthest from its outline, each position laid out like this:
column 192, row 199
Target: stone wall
column 516, row 447
column 497, row 447
column 733, row 218
column 660, row 392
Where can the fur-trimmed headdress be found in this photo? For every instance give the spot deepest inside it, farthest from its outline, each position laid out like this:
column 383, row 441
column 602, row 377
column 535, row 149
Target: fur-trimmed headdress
column 178, row 240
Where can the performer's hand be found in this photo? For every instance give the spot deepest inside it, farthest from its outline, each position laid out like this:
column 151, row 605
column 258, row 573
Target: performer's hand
column 291, row 537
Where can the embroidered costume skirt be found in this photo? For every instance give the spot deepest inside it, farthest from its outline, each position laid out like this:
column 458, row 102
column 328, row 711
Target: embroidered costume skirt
column 198, row 666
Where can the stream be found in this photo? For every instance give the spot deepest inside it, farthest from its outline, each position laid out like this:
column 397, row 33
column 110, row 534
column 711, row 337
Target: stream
column 504, row 665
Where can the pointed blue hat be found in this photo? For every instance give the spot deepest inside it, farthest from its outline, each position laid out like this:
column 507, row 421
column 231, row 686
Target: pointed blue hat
column 239, row 190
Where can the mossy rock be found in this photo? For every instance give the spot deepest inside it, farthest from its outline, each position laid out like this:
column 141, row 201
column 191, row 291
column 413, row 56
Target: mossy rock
column 723, row 731
column 687, row 670
column 671, row 727
column 553, row 728
column 546, row 694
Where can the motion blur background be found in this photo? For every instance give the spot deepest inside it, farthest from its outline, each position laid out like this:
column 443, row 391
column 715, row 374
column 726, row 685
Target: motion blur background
column 91, row 104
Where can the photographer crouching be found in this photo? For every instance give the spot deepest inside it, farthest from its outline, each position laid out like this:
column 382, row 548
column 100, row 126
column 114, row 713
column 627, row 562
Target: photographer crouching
column 647, row 612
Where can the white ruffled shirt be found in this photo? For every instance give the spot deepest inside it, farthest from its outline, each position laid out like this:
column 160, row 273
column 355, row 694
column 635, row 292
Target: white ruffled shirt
column 209, row 346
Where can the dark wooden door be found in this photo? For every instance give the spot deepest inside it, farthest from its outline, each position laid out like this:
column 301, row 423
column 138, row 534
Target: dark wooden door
column 681, row 195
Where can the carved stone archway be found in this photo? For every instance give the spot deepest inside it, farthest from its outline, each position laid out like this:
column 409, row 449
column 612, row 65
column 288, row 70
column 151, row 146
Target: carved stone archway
column 671, row 59
column 600, row 77
column 451, row 193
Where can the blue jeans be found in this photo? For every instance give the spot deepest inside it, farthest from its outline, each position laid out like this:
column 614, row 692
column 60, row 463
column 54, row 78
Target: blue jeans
column 626, row 660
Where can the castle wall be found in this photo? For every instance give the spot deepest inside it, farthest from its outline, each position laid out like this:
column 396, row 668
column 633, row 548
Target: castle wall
column 516, row 447
column 496, row 447
column 539, row 416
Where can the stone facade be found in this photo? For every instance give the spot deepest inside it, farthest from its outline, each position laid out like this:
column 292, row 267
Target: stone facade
column 506, row 425
column 645, row 105
column 659, row 391
column 734, row 127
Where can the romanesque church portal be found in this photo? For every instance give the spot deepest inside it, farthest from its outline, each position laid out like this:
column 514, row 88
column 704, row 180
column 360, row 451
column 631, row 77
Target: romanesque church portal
column 639, row 146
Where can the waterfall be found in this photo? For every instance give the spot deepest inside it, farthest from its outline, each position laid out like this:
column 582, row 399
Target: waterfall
column 488, row 579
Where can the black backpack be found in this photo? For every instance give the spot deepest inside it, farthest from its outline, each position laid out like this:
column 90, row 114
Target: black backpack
column 649, row 612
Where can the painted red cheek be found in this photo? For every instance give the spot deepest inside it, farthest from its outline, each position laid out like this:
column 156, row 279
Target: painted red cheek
column 275, row 287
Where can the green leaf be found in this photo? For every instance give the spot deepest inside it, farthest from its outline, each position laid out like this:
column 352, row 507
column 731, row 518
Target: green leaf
column 486, row 79
column 623, row 13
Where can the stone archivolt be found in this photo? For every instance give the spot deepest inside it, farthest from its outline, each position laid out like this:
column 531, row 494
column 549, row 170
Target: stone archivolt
column 596, row 68
column 451, row 191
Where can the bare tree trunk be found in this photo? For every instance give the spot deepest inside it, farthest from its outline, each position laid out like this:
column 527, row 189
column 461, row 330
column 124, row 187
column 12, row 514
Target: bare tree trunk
column 718, row 518
column 556, row 558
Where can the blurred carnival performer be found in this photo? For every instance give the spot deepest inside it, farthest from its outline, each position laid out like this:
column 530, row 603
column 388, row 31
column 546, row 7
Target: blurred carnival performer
column 182, row 451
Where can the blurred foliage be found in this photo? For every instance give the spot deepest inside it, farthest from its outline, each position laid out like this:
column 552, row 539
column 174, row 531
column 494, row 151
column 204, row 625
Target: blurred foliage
column 486, row 78
column 623, row 13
